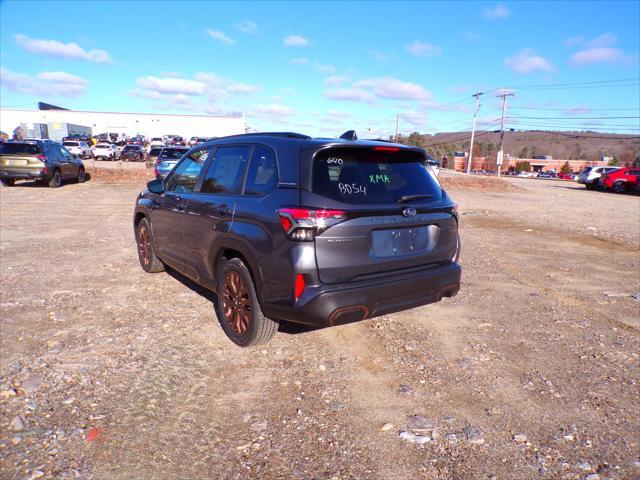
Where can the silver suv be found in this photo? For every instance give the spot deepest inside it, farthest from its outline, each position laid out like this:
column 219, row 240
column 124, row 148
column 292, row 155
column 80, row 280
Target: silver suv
column 590, row 176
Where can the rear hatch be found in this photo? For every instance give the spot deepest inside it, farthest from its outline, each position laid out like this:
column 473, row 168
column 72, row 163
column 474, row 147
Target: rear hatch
column 20, row 156
column 396, row 215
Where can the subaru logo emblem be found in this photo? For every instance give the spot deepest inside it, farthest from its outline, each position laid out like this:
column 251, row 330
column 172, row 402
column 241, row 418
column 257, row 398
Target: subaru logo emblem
column 409, row 212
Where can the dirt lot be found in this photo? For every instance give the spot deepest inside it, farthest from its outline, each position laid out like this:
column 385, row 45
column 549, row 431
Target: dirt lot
column 532, row 371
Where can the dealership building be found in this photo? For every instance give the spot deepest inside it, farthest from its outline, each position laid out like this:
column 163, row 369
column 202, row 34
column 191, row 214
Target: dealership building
column 49, row 121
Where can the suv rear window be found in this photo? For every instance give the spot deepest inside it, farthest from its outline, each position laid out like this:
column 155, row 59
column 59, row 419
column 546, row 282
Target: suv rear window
column 19, row 149
column 172, row 153
column 373, row 177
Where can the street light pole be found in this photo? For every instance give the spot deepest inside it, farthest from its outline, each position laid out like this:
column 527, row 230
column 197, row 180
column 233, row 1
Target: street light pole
column 473, row 130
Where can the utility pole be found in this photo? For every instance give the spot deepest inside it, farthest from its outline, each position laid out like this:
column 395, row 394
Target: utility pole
column 397, row 128
column 505, row 93
column 473, row 130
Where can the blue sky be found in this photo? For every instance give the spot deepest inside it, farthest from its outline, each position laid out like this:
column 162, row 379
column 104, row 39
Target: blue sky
column 322, row 68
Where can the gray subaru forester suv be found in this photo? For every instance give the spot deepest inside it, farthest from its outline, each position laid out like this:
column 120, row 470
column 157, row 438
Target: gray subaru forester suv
column 285, row 227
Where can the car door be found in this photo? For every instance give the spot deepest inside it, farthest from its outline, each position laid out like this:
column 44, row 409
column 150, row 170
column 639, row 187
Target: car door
column 70, row 168
column 169, row 211
column 210, row 209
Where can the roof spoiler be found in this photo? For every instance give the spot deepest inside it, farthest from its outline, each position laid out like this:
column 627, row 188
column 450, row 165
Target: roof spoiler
column 349, row 135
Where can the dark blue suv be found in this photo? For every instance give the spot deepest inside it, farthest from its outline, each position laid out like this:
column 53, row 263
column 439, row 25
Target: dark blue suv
column 318, row 231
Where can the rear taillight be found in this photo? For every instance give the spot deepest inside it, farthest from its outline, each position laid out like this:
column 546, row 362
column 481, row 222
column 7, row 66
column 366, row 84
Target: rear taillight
column 303, row 224
column 387, row 149
column 42, row 158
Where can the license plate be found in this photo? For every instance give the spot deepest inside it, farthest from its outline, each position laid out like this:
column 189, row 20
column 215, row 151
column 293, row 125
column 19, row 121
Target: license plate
column 404, row 241
column 16, row 163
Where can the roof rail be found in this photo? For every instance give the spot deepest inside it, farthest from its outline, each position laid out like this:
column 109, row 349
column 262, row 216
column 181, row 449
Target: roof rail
column 349, row 135
column 299, row 136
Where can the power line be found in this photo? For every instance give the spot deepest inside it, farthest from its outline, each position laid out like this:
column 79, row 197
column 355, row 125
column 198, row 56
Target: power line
column 570, row 109
column 579, row 84
column 581, row 135
column 575, row 118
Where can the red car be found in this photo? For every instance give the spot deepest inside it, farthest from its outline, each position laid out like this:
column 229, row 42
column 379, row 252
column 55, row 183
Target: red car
column 623, row 180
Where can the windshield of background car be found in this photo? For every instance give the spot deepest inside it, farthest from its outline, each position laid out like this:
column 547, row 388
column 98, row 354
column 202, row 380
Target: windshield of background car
column 367, row 176
column 19, row 149
column 103, row 145
column 172, row 153
column 70, row 144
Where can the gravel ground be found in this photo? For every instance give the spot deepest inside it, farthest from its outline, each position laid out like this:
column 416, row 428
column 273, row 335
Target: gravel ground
column 530, row 372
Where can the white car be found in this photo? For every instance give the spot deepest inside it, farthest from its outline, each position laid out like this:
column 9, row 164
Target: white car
column 108, row 151
column 81, row 149
column 156, row 142
column 590, row 176
column 527, row 174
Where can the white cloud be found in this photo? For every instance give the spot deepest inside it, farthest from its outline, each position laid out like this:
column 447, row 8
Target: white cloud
column 423, row 49
column 392, row 88
column 170, row 85
column 603, row 40
column 56, row 49
column 380, row 56
column 221, row 36
column 573, row 41
column 221, row 87
column 598, row 55
column 526, row 61
column 243, row 88
column 349, row 94
column 295, row 41
column 496, row 12
column 274, row 110
column 50, row 84
column 471, row 37
column 416, row 119
column 299, row 61
column 336, row 80
column 248, row 26
column 324, row 69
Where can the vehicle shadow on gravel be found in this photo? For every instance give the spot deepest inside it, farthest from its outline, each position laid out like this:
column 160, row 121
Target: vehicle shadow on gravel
column 285, row 327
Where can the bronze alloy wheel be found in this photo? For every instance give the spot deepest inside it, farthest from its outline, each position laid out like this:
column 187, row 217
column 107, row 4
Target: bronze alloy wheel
column 236, row 304
column 144, row 244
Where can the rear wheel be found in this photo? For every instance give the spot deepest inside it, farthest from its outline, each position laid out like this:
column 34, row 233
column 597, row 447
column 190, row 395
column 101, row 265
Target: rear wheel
column 619, row 187
column 56, row 179
column 8, row 182
column 589, row 186
column 82, row 176
column 238, row 309
column 149, row 261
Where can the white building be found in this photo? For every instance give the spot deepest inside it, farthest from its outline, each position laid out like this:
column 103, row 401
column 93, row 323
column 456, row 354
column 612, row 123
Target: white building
column 148, row 124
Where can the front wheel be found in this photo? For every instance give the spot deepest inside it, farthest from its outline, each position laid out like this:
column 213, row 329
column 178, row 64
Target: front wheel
column 149, row 261
column 619, row 187
column 8, row 182
column 238, row 309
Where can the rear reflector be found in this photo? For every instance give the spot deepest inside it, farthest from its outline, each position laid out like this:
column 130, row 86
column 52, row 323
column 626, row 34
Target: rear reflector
column 299, row 285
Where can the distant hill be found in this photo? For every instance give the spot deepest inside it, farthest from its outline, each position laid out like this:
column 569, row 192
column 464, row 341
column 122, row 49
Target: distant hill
column 524, row 144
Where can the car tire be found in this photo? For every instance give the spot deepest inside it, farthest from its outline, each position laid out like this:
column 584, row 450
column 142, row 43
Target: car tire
column 619, row 187
column 238, row 308
column 589, row 186
column 82, row 175
column 56, row 179
column 149, row 261
column 8, row 182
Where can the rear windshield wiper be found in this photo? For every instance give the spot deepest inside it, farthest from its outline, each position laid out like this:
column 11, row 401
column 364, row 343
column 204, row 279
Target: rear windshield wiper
column 409, row 198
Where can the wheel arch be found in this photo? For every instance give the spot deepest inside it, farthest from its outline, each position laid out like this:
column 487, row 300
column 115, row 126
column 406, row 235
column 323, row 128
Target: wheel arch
column 226, row 251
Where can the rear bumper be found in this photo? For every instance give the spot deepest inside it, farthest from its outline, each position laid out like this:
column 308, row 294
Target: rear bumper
column 23, row 174
column 328, row 305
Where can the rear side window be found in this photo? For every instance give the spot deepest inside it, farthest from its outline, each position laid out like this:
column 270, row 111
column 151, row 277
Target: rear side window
column 263, row 173
column 226, row 171
column 19, row 149
column 367, row 176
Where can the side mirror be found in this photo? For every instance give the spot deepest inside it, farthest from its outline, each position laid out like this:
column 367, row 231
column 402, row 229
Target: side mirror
column 156, row 186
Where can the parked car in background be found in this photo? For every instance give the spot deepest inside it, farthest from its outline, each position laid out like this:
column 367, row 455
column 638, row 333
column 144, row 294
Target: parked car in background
column 566, row 176
column 79, row 148
column 137, row 140
column 435, row 166
column 156, row 142
column 193, row 141
column 133, row 153
column 152, row 156
column 106, row 151
column 590, row 176
column 527, row 174
column 284, row 227
column 622, row 180
column 168, row 159
column 44, row 161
